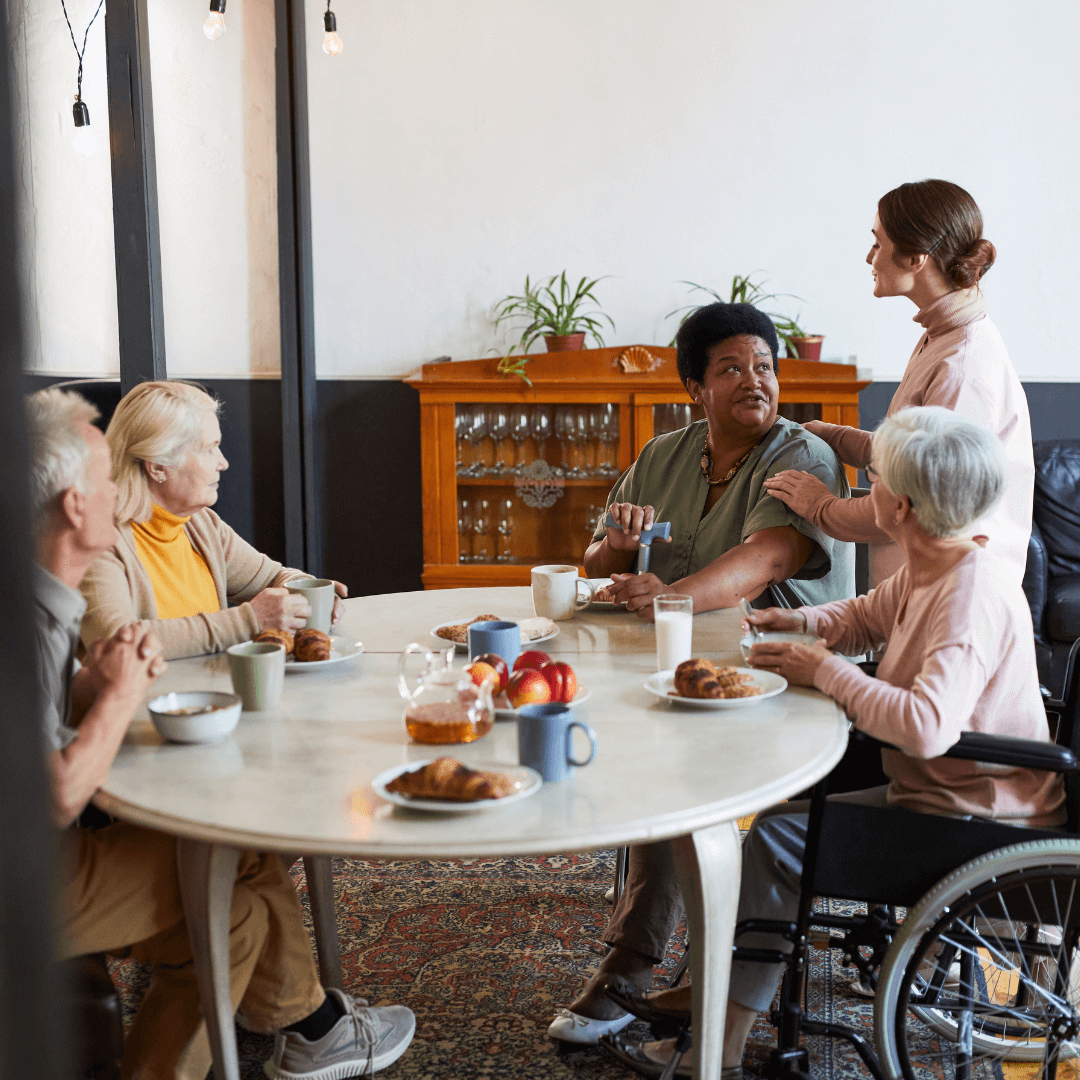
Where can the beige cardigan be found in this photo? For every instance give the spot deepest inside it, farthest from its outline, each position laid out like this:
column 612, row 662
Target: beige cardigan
column 118, row 591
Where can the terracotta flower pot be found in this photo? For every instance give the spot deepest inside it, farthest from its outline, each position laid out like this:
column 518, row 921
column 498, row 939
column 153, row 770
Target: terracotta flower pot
column 564, row 342
column 809, row 347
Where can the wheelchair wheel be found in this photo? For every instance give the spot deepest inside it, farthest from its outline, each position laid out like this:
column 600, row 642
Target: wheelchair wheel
column 986, row 968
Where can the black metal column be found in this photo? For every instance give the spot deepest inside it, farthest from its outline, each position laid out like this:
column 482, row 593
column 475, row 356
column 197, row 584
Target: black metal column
column 302, row 548
column 35, row 1032
column 135, row 204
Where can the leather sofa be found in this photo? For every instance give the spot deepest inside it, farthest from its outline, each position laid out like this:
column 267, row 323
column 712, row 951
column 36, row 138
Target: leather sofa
column 1052, row 579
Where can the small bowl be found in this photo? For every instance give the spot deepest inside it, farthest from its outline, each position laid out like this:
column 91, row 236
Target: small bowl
column 796, row 637
column 200, row 727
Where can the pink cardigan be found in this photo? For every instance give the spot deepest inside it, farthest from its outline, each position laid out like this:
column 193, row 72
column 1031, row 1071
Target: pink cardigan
column 960, row 657
column 961, row 364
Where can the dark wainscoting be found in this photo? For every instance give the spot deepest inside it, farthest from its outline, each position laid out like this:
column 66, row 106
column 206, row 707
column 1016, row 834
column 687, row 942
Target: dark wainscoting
column 369, row 467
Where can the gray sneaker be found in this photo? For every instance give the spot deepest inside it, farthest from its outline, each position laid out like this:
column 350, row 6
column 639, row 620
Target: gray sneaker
column 364, row 1040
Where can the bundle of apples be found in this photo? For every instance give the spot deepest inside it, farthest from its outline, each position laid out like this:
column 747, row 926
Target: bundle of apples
column 535, row 680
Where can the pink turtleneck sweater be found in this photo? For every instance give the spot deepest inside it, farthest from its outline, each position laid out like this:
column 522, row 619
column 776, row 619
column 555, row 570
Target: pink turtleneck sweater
column 961, row 364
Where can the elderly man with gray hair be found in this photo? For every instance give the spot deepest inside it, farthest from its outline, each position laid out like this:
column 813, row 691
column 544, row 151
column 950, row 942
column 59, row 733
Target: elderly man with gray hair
column 960, row 657
column 120, row 892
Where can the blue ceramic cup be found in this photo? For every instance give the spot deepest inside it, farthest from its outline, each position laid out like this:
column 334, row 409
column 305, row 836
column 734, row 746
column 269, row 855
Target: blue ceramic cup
column 544, row 734
column 501, row 638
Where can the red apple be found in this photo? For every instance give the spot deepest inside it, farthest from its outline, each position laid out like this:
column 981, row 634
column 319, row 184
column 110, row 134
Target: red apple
column 528, row 687
column 481, row 673
column 562, row 680
column 494, row 660
column 533, row 658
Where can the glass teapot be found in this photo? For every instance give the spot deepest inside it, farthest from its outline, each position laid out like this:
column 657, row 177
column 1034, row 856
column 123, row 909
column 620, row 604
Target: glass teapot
column 444, row 705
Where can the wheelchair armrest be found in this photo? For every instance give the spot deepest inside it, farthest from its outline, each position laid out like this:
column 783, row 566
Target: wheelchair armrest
column 998, row 750
column 1020, row 753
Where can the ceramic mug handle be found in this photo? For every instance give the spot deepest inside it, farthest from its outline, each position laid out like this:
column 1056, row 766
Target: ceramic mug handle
column 578, row 605
column 569, row 735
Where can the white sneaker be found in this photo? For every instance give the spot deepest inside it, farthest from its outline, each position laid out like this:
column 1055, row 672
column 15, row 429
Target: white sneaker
column 569, row 1027
column 364, row 1040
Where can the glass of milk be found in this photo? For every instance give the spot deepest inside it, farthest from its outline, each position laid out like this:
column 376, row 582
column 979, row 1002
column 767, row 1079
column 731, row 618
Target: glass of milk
column 674, row 615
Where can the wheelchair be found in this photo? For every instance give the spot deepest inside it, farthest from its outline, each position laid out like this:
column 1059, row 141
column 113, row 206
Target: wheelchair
column 971, row 939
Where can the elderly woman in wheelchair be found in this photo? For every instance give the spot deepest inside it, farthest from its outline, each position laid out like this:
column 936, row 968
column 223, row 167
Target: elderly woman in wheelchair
column 981, row 968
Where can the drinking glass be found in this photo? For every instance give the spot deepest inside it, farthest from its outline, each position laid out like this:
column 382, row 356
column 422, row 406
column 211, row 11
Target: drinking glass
column 499, row 430
column 520, row 427
column 592, row 517
column 564, row 432
column 461, row 440
column 464, row 531
column 478, row 432
column 673, row 614
column 581, row 440
column 482, row 528
column 504, row 531
column 595, row 422
column 609, row 438
column 540, row 423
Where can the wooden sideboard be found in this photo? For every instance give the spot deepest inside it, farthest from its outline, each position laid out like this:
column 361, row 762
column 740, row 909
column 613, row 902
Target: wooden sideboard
column 517, row 508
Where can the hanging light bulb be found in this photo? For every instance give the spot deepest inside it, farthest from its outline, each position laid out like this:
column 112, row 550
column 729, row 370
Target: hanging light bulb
column 332, row 45
column 83, row 138
column 214, row 26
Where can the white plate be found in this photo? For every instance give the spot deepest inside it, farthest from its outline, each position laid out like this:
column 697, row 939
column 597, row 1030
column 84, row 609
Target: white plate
column 662, row 684
column 583, row 694
column 531, row 780
column 340, row 649
column 603, row 605
column 463, row 647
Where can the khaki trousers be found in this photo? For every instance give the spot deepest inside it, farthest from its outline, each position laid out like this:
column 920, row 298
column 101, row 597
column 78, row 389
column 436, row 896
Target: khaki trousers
column 121, row 896
column 650, row 906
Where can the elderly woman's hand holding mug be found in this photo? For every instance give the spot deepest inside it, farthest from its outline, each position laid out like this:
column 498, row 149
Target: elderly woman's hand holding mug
column 279, row 609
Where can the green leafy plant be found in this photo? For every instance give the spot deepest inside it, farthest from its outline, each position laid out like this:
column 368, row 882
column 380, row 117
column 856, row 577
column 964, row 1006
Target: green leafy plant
column 744, row 290
column 550, row 307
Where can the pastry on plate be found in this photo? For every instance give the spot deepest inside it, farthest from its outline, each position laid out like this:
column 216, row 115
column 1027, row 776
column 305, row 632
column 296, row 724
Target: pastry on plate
column 700, row 678
column 448, row 779
column 276, row 637
column 310, row 646
column 459, row 632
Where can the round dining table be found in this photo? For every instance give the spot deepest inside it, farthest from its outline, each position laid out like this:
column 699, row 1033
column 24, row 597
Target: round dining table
column 298, row 778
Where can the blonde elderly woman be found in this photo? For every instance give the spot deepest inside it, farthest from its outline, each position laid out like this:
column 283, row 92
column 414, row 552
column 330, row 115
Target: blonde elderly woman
column 176, row 566
column 960, row 657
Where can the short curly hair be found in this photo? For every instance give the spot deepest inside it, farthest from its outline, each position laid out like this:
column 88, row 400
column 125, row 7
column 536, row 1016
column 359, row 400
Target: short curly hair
column 710, row 325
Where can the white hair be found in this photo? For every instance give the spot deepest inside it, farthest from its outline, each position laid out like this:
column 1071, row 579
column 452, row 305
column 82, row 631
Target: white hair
column 953, row 470
column 59, row 454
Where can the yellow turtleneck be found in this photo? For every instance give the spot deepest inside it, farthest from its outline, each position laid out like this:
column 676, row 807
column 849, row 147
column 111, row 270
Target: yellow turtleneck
column 183, row 584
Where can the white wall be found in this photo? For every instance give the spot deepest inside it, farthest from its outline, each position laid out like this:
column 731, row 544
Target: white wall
column 459, row 144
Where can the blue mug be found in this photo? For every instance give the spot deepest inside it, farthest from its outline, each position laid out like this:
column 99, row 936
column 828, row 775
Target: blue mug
column 495, row 636
column 544, row 734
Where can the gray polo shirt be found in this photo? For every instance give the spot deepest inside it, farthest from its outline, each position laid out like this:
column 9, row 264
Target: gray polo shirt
column 667, row 475
column 58, row 616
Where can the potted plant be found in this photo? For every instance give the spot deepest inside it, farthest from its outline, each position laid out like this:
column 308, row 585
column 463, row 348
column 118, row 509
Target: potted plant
column 555, row 311
column 744, row 290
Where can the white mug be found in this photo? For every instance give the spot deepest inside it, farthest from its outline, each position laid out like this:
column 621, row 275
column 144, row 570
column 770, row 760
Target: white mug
column 555, row 592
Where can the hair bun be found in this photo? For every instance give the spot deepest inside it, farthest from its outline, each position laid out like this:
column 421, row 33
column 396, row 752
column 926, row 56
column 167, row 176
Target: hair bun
column 966, row 269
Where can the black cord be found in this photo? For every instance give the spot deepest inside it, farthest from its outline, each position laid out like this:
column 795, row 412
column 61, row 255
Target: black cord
column 80, row 55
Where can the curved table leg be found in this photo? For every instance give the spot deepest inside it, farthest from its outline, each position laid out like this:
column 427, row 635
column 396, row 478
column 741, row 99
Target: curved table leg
column 709, row 866
column 207, row 875
column 320, row 883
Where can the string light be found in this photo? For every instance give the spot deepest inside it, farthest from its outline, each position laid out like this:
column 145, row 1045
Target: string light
column 214, row 27
column 82, row 137
column 332, row 45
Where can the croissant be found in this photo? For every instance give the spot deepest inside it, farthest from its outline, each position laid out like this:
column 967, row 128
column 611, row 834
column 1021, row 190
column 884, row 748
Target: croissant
column 276, row 637
column 702, row 679
column 311, row 645
column 448, row 779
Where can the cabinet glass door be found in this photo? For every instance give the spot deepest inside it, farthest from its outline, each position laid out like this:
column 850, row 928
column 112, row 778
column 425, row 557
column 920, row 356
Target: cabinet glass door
column 532, row 479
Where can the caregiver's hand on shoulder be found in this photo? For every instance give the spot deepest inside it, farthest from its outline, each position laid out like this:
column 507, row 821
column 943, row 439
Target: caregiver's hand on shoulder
column 799, row 491
column 797, row 663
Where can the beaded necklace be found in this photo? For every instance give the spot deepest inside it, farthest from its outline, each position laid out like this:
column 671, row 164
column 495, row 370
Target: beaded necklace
column 706, row 465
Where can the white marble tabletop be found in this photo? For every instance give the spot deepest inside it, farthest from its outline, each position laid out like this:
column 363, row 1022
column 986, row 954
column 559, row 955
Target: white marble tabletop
column 299, row 777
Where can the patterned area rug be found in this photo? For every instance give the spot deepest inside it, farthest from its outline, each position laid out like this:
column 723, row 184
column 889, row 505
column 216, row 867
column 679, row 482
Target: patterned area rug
column 483, row 952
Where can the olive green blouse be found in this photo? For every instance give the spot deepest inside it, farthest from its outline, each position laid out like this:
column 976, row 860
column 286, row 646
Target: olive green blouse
column 667, row 475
